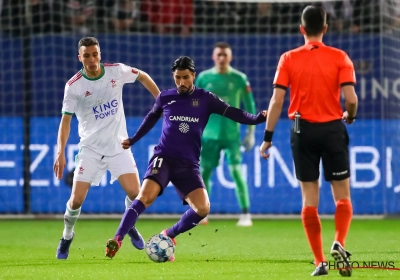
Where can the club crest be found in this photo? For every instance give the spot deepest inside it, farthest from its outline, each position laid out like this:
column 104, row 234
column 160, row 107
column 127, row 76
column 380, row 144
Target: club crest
column 154, row 170
column 195, row 102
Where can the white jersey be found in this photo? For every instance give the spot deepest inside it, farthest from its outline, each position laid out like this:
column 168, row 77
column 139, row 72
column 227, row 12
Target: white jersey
column 98, row 106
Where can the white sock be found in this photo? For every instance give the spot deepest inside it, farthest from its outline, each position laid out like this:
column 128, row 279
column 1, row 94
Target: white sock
column 128, row 202
column 70, row 218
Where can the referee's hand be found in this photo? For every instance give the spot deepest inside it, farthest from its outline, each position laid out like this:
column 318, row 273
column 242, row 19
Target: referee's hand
column 346, row 118
column 264, row 148
column 126, row 144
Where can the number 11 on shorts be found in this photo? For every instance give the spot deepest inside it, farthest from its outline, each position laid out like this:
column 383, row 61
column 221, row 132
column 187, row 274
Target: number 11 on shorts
column 160, row 160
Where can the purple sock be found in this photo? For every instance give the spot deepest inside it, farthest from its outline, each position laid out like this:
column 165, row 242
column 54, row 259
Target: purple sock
column 129, row 218
column 189, row 220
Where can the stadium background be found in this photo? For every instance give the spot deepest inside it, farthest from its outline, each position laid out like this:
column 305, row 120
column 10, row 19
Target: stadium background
column 38, row 55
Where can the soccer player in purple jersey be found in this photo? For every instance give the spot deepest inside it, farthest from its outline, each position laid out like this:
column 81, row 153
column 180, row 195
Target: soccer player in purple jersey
column 186, row 112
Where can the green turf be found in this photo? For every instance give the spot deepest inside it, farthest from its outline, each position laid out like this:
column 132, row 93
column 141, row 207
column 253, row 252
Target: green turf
column 271, row 249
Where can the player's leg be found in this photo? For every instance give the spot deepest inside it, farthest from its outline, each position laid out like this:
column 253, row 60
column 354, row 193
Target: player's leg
column 306, row 158
column 234, row 158
column 209, row 158
column 123, row 167
column 337, row 171
column 89, row 170
column 190, row 188
column 156, row 179
column 148, row 193
column 199, row 208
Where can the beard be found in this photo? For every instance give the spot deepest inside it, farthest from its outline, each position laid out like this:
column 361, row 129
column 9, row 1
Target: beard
column 184, row 90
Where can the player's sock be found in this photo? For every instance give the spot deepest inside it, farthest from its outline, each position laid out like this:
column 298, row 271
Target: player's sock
column 128, row 202
column 70, row 218
column 241, row 189
column 343, row 216
column 313, row 229
column 189, row 220
column 129, row 218
column 206, row 174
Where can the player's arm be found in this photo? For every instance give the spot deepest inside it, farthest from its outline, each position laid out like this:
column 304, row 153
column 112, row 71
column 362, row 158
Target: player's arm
column 148, row 123
column 347, row 80
column 280, row 84
column 249, row 106
column 237, row 115
column 70, row 103
column 131, row 74
column 62, row 139
column 148, row 83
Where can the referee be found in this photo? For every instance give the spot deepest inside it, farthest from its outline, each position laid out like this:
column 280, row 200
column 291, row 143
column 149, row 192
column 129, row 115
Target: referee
column 316, row 74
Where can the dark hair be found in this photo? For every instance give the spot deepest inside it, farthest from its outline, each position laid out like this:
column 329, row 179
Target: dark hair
column 313, row 19
column 88, row 41
column 222, row 45
column 183, row 63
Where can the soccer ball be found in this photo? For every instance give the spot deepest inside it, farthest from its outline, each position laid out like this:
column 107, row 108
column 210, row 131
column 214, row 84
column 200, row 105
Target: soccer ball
column 159, row 248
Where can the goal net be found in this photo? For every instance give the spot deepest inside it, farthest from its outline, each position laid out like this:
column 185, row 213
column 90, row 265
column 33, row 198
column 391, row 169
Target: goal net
column 38, row 54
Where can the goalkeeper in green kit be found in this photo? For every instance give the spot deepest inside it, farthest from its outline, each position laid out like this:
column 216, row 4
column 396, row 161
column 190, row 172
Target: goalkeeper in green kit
column 221, row 133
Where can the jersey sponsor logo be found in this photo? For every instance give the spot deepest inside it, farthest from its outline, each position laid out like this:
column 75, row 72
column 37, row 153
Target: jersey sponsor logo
column 113, row 83
column 183, row 119
column 87, row 93
column 106, row 109
column 169, row 103
column 184, row 127
column 195, row 103
column 135, row 71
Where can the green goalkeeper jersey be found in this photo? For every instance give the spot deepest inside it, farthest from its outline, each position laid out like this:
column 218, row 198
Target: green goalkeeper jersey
column 233, row 88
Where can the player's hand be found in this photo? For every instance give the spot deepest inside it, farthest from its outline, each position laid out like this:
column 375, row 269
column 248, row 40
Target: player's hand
column 126, row 144
column 264, row 148
column 346, row 119
column 248, row 141
column 264, row 113
column 59, row 165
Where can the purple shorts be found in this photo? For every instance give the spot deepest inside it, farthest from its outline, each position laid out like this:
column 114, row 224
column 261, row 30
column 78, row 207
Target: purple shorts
column 183, row 174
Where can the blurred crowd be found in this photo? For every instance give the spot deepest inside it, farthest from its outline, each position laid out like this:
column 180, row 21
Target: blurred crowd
column 188, row 16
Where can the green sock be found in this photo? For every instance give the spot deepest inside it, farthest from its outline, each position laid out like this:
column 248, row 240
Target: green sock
column 241, row 190
column 206, row 174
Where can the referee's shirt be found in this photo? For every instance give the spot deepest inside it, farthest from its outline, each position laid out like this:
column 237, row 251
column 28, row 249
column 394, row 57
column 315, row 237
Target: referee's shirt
column 315, row 73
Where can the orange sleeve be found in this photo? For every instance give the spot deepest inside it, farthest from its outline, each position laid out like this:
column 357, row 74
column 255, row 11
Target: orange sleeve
column 281, row 79
column 347, row 76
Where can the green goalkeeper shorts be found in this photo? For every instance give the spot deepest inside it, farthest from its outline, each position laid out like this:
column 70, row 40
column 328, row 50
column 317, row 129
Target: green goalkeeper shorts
column 211, row 149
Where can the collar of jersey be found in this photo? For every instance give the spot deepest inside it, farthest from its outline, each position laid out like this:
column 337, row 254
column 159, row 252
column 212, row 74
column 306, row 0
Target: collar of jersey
column 315, row 43
column 94, row 79
column 229, row 70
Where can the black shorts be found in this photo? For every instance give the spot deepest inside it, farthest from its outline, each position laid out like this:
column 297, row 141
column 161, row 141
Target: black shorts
column 328, row 141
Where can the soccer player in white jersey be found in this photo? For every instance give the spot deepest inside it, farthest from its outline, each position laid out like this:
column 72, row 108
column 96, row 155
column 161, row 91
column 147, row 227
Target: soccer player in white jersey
column 94, row 94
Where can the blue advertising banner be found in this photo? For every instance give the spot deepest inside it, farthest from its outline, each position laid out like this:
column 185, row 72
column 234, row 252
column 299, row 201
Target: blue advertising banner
column 374, row 157
column 54, row 60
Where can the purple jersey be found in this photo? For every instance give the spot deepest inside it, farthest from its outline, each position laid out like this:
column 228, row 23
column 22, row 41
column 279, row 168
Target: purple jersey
column 185, row 117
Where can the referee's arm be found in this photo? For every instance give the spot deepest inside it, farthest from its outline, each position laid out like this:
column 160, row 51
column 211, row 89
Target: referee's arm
column 275, row 108
column 351, row 103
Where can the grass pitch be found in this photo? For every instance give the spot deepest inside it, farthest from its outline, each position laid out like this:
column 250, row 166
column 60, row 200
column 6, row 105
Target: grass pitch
column 271, row 249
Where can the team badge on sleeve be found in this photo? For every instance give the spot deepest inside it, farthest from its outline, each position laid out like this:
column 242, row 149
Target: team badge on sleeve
column 135, row 71
column 195, row 102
